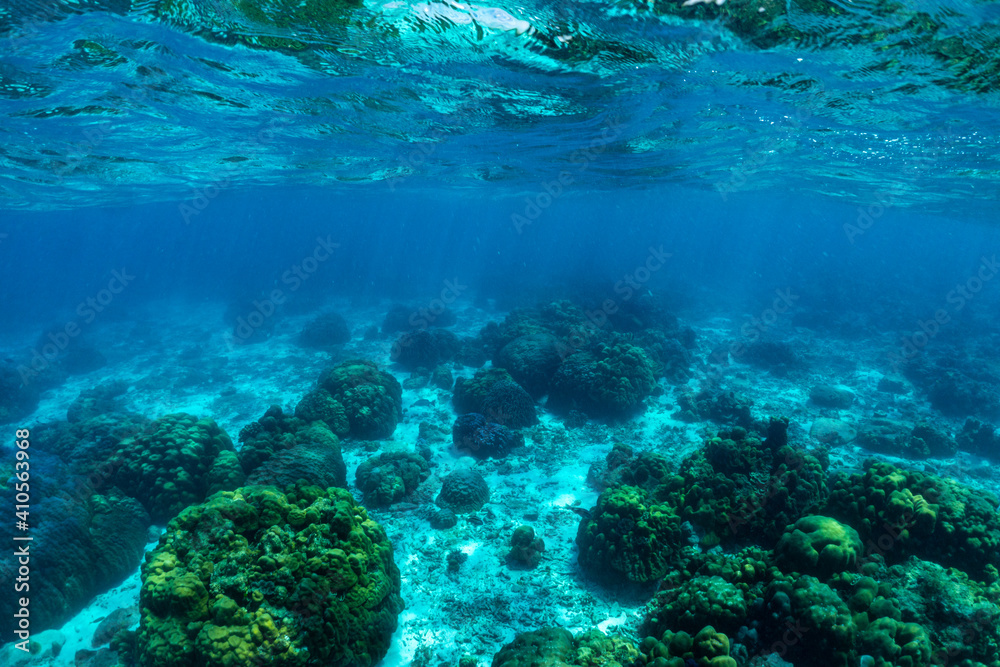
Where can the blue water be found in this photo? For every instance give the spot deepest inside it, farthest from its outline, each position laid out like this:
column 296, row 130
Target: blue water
column 819, row 177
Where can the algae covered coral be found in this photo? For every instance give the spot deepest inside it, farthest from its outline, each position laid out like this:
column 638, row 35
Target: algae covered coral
column 257, row 576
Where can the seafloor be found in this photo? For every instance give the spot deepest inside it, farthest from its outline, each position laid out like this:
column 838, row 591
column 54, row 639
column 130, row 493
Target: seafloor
column 175, row 358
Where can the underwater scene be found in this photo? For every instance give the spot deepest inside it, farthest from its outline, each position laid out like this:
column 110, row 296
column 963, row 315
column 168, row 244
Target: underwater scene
column 558, row 333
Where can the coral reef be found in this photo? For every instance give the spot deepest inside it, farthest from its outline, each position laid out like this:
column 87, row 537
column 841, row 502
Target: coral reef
column 557, row 647
column 525, row 549
column 906, row 512
column 314, row 462
column 177, row 461
column 832, row 431
column 979, row 438
column 831, row 396
column 85, row 540
column 739, row 484
column 695, row 603
column 276, row 434
column 470, row 394
column 707, row 648
column 97, row 401
column 923, row 440
column 463, row 491
column 778, row 358
column 628, row 537
column 819, row 546
column 425, row 348
column 325, row 331
column 609, row 382
column 404, row 318
column 531, row 360
column 723, row 406
column 18, row 398
column 475, row 434
column 391, row 476
column 231, row 584
column 320, row 405
column 508, row 404
column 372, row 399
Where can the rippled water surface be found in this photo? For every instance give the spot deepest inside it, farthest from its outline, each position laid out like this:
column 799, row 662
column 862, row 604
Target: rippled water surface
column 111, row 101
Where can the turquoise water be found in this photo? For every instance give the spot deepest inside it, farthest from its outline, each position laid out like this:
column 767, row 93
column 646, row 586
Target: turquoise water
column 151, row 99
column 582, row 333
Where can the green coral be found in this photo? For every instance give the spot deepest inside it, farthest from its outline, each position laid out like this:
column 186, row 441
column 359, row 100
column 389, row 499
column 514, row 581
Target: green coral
column 739, row 484
column 557, row 647
column 893, row 643
column 819, row 545
column 707, row 648
column 277, row 432
column 320, row 405
column 608, row 381
column 391, row 476
column 628, row 536
column 255, row 575
column 961, row 616
column 820, row 624
column 901, row 512
column 470, row 394
column 177, row 461
column 372, row 399
column 525, row 549
column 694, row 603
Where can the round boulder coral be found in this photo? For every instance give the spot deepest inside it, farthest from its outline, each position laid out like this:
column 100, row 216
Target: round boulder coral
column 425, row 348
column 508, row 404
column 821, row 622
column 232, row 583
column 628, row 537
column 531, row 360
column 481, row 438
column 372, row 399
column 319, row 405
column 463, row 491
column 905, row 512
column 557, row 647
column 818, row 545
column 391, row 476
column 694, row 604
column 470, row 394
column 611, row 381
column 277, row 433
column 177, row 461
column 325, row 331
column 84, row 541
column 310, row 462
column 707, row 648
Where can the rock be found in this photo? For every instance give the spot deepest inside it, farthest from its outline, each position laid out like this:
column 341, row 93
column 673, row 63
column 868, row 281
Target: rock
column 831, row 396
column 892, row 385
column 832, row 431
